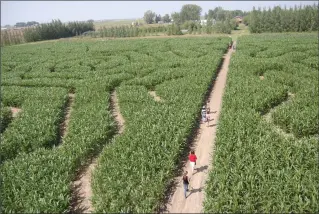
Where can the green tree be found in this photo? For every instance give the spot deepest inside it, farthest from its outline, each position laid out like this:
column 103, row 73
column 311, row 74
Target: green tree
column 149, row 17
column 210, row 15
column 158, row 18
column 190, row 12
column 176, row 18
column 166, row 18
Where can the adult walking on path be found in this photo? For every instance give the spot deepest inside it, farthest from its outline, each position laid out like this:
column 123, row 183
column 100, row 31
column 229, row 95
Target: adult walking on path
column 192, row 160
column 185, row 183
column 207, row 119
column 204, row 146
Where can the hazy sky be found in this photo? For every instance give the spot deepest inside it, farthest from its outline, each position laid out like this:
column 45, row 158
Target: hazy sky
column 44, row 11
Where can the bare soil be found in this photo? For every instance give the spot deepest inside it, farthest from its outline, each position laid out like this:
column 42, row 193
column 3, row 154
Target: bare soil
column 204, row 149
column 154, row 95
column 82, row 186
column 15, row 111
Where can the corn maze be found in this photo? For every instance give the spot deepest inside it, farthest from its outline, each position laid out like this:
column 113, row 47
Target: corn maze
column 40, row 157
column 266, row 157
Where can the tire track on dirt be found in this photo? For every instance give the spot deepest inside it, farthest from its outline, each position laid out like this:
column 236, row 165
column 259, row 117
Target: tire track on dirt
column 82, row 186
column 204, row 149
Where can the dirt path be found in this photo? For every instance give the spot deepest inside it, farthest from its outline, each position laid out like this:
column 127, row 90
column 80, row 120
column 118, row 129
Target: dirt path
column 204, row 148
column 154, row 95
column 82, row 186
column 67, row 114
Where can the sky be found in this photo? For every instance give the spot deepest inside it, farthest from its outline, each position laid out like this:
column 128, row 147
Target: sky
column 44, row 11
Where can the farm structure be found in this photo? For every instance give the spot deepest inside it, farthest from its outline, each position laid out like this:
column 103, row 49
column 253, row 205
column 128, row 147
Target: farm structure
column 239, row 19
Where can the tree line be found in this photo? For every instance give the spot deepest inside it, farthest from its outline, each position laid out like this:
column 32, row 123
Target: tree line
column 190, row 15
column 56, row 29
column 297, row 19
column 219, row 14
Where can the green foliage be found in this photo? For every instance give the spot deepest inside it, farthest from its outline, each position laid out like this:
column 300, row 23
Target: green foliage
column 299, row 19
column 37, row 126
column 121, row 185
column 224, row 26
column 41, row 180
column 219, row 14
column 5, row 118
column 190, row 12
column 149, row 17
column 258, row 167
column 176, row 17
column 126, row 31
column 56, row 29
column 166, row 18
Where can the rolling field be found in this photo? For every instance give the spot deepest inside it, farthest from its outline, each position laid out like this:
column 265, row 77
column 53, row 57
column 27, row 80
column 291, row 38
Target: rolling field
column 266, row 157
column 40, row 160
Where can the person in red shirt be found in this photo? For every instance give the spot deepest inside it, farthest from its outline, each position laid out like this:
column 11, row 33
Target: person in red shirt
column 192, row 159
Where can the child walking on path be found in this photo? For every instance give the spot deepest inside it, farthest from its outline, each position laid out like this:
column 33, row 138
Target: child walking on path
column 207, row 119
column 192, row 159
column 185, row 183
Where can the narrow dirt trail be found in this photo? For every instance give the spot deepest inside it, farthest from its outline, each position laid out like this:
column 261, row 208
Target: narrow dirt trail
column 204, row 148
column 65, row 124
column 83, row 184
column 267, row 117
column 154, row 95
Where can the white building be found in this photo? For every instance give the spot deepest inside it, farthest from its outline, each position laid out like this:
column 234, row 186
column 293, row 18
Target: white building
column 203, row 22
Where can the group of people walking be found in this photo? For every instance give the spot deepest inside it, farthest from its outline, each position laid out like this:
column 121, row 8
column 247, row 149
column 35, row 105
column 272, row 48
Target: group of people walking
column 192, row 160
column 205, row 114
column 192, row 157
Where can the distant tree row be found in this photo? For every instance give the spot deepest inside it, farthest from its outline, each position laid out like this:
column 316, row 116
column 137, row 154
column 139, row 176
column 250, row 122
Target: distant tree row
column 219, row 14
column 150, row 17
column 297, row 19
column 129, row 31
column 56, row 29
column 190, row 15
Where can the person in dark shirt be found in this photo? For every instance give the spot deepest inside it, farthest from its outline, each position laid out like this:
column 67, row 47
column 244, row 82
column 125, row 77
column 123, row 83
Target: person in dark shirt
column 185, row 183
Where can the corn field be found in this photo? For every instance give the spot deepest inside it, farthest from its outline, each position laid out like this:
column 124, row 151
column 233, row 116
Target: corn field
column 266, row 153
column 261, row 165
column 38, row 165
